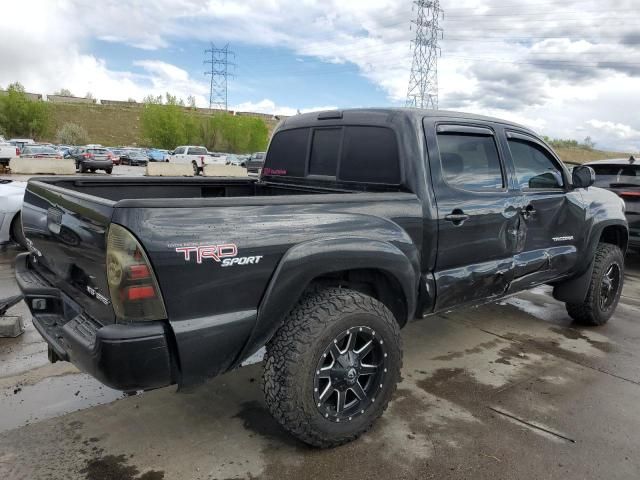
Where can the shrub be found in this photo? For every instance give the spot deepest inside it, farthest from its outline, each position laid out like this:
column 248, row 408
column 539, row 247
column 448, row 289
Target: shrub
column 72, row 134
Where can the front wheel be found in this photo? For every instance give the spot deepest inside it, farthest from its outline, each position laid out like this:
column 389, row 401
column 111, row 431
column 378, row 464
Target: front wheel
column 332, row 367
column 605, row 288
column 108, row 171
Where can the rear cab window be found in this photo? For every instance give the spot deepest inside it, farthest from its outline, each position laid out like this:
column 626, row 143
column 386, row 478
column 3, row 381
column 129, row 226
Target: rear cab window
column 362, row 154
column 197, row 151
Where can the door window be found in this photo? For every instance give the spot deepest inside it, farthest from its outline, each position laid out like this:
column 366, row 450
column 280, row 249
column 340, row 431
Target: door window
column 535, row 167
column 470, row 161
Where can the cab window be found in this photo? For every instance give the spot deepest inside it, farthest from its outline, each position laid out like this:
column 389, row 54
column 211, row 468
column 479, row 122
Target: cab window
column 470, row 161
column 535, row 167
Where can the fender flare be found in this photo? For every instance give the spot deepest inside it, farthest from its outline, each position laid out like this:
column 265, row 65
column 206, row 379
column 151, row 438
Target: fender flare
column 309, row 260
column 574, row 290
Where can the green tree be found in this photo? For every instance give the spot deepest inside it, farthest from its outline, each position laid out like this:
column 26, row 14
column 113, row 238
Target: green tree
column 72, row 134
column 164, row 126
column 21, row 116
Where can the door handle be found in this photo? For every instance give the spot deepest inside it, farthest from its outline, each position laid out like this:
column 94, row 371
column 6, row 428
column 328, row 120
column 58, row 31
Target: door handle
column 456, row 217
column 528, row 212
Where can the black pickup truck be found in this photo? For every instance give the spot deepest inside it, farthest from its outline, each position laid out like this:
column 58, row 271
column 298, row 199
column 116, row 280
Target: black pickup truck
column 360, row 221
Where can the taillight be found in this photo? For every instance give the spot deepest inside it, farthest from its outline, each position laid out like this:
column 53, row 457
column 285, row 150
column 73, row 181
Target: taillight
column 17, row 152
column 134, row 291
column 629, row 194
column 87, row 155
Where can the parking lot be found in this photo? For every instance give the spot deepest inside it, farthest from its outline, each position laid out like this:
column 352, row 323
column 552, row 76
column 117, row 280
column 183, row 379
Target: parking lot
column 509, row 390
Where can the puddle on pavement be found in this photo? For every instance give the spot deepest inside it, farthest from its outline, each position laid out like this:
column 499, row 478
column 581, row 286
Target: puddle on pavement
column 52, row 397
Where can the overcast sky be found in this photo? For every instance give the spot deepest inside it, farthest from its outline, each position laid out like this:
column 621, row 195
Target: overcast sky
column 565, row 68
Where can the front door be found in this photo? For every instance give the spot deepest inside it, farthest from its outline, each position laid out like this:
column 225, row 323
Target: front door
column 477, row 214
column 552, row 215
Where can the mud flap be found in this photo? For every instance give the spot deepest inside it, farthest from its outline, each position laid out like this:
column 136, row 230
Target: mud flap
column 575, row 289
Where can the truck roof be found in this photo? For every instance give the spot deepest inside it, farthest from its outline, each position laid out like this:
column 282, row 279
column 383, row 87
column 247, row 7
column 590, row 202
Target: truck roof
column 385, row 114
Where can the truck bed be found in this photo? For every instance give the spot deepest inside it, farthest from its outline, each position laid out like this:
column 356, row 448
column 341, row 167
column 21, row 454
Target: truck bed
column 128, row 188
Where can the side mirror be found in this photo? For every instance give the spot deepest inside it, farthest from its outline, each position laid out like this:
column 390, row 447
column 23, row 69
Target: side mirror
column 583, row 176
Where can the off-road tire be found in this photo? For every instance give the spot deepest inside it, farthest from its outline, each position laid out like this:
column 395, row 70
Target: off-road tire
column 590, row 312
column 293, row 353
column 16, row 231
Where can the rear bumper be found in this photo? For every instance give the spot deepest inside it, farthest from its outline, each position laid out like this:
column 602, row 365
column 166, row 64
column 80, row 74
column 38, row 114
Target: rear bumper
column 97, row 164
column 124, row 357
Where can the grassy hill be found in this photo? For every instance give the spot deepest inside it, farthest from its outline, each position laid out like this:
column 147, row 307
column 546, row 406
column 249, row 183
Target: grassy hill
column 583, row 155
column 110, row 125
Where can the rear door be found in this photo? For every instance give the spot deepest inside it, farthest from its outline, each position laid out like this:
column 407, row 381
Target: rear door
column 477, row 214
column 552, row 214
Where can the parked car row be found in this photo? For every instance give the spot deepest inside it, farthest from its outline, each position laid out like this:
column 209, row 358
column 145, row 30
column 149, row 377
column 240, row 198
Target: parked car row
column 93, row 157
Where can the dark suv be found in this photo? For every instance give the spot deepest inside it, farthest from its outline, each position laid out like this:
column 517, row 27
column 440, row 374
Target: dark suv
column 622, row 177
column 255, row 162
column 92, row 159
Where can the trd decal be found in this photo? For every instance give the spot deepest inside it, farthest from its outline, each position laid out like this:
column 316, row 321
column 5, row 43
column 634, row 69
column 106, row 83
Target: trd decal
column 214, row 252
column 225, row 254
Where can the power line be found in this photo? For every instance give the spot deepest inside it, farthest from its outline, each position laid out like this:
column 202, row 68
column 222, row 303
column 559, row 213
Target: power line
column 219, row 61
column 423, row 79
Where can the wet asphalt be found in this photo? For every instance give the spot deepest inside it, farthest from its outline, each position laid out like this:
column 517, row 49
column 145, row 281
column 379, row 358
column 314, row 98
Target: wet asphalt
column 504, row 391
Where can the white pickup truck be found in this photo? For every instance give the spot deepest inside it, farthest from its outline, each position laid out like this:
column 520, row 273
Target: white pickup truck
column 197, row 156
column 7, row 151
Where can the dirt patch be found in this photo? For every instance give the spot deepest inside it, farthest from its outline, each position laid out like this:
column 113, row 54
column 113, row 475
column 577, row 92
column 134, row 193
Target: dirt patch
column 552, row 347
column 512, row 352
column 574, row 334
column 470, row 351
column 256, row 418
column 458, row 386
column 114, row 467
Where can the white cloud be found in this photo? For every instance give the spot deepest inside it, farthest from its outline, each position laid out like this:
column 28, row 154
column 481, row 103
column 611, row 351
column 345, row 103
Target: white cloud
column 268, row 106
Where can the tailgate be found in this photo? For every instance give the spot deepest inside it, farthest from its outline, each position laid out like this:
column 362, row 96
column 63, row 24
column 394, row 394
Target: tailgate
column 67, row 235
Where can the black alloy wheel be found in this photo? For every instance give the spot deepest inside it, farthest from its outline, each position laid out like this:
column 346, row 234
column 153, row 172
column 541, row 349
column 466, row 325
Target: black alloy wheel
column 349, row 374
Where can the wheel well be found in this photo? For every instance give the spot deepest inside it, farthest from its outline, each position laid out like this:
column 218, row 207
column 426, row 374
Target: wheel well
column 378, row 284
column 15, row 219
column 616, row 235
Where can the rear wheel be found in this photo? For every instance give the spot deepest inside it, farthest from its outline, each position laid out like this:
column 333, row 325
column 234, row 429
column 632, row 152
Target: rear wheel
column 333, row 366
column 92, row 170
column 196, row 170
column 83, row 169
column 605, row 288
column 108, row 170
column 16, row 231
